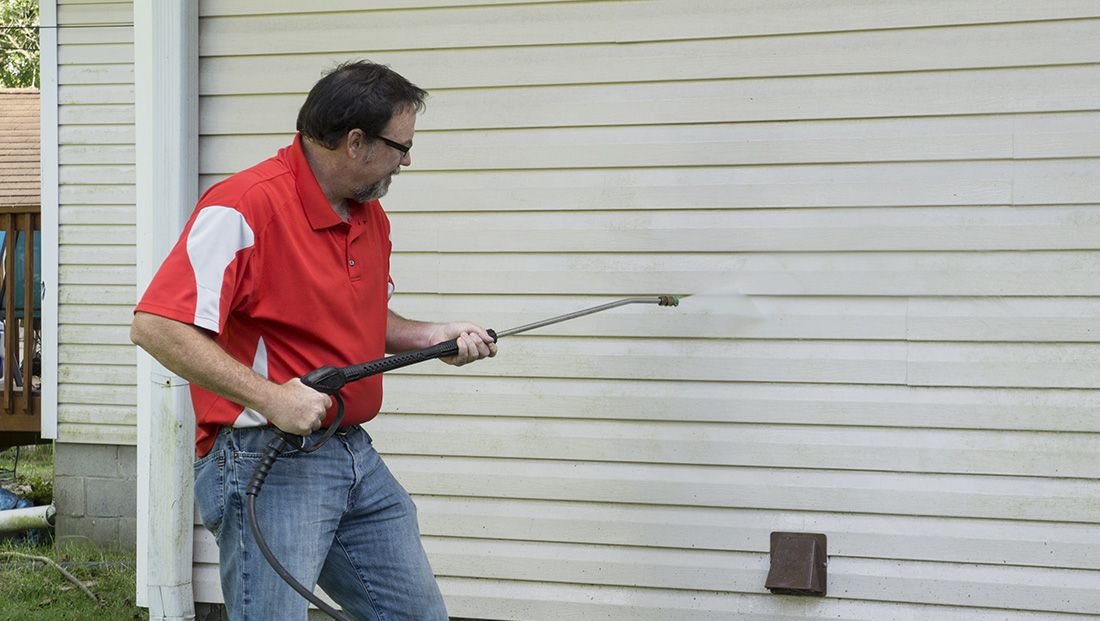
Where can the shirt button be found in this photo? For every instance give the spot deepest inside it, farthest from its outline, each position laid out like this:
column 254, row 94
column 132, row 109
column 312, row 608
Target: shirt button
column 351, row 262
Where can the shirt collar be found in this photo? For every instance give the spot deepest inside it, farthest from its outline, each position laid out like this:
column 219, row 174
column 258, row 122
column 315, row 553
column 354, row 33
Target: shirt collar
column 316, row 206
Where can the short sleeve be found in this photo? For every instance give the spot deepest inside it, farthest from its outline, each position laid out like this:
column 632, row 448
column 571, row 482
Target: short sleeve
column 204, row 274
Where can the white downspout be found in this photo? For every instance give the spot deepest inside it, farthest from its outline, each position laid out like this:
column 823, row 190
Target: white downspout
column 166, row 149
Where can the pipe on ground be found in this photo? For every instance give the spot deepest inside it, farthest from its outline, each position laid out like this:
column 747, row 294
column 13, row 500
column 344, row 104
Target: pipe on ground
column 15, row 520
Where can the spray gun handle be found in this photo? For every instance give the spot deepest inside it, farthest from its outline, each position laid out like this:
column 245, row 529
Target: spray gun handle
column 327, row 379
column 396, row 361
column 330, row 380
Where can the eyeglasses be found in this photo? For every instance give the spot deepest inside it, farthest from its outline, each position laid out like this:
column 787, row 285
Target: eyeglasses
column 404, row 149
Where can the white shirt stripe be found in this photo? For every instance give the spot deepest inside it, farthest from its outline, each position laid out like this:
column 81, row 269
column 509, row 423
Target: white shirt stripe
column 217, row 235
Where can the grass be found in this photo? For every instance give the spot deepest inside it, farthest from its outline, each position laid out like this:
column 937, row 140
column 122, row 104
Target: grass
column 35, row 591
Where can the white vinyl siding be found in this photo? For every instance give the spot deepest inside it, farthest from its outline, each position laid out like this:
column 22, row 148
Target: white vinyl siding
column 96, row 372
column 907, row 191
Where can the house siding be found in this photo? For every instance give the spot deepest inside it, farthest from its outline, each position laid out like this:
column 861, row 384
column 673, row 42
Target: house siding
column 907, row 192
column 96, row 292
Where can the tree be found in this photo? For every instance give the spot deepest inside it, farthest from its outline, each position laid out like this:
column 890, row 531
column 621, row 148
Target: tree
column 19, row 43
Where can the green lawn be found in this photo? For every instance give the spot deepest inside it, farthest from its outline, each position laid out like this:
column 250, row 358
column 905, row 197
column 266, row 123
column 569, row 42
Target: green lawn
column 35, row 591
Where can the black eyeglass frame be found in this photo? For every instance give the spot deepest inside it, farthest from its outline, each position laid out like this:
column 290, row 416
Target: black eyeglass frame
column 404, row 149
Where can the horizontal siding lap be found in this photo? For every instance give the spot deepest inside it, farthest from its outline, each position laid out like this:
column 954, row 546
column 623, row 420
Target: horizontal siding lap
column 87, row 174
column 118, row 315
column 480, row 597
column 88, row 36
column 98, row 294
column 950, row 584
column 97, row 414
column 996, row 542
column 96, row 394
column 887, row 406
column 713, row 315
column 862, row 362
column 125, row 435
column 883, row 493
column 96, row 74
column 969, row 274
column 710, row 101
column 794, row 230
column 98, row 374
column 107, row 275
column 73, row 14
column 1056, row 365
column 1003, row 45
column 96, row 353
column 115, row 134
column 98, row 255
column 70, row 154
column 557, row 23
column 1017, row 365
column 97, row 54
column 1045, row 182
column 98, row 234
column 991, row 183
column 119, row 194
column 908, row 450
column 90, row 334
column 97, row 214
column 99, row 114
column 91, row 94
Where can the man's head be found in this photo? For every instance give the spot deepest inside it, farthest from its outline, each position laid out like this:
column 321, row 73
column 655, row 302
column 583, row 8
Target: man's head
column 356, row 95
column 364, row 114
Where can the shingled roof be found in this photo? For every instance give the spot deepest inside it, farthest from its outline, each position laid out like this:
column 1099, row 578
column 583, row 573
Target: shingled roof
column 19, row 156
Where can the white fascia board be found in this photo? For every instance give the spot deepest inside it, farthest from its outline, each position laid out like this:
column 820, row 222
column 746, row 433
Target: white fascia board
column 47, row 43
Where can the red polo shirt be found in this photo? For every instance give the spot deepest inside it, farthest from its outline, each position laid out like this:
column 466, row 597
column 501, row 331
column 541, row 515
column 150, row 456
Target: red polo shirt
column 284, row 285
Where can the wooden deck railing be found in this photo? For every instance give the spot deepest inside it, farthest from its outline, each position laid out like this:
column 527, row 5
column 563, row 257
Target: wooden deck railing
column 20, row 417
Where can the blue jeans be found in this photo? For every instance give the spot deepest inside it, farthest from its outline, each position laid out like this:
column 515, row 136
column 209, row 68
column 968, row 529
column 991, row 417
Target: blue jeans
column 335, row 518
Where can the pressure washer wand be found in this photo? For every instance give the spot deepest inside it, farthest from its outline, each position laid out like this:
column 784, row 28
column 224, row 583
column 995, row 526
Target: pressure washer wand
column 330, row 380
column 661, row 300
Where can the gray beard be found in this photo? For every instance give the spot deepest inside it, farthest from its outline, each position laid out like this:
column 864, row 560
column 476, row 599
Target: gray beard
column 376, row 190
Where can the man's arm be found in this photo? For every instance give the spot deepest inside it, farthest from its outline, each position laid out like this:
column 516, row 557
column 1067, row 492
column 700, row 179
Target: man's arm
column 474, row 343
column 189, row 352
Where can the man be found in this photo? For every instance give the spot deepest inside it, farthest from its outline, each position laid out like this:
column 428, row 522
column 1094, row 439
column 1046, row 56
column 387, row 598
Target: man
column 284, row 268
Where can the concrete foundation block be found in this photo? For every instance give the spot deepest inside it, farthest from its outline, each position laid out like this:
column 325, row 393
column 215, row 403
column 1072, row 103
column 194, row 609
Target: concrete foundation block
column 111, row 497
column 68, row 495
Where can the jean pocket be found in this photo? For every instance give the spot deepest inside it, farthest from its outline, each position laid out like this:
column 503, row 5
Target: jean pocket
column 210, row 489
column 250, row 443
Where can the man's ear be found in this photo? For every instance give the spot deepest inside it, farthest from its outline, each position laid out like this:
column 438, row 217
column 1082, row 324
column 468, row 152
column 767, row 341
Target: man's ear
column 355, row 144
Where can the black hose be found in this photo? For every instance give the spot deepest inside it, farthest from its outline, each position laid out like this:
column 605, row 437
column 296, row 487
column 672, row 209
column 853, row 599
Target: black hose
column 280, row 443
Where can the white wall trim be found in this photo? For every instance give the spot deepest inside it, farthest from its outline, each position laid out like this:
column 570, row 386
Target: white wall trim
column 47, row 42
column 166, row 149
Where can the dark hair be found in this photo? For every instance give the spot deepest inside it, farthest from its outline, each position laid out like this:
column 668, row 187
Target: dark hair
column 357, row 94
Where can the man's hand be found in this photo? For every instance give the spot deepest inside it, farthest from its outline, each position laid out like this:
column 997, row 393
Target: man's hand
column 474, row 343
column 191, row 353
column 297, row 408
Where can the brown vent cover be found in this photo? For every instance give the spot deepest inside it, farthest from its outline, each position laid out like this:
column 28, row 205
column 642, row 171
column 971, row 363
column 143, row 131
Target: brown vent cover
column 798, row 564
